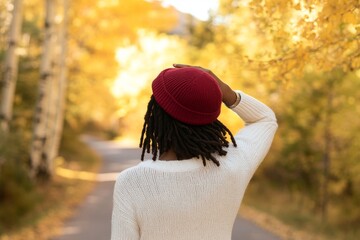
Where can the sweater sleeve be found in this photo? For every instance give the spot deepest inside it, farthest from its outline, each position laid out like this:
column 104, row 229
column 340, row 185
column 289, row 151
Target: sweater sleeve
column 123, row 223
column 254, row 140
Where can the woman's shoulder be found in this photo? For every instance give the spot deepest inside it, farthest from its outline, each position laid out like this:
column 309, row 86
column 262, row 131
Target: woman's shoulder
column 129, row 173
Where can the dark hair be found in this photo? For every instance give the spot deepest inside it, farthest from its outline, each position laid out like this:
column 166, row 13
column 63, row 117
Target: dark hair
column 161, row 133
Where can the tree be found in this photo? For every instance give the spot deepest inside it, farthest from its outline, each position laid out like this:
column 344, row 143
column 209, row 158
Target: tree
column 292, row 35
column 59, row 90
column 96, row 31
column 11, row 66
column 317, row 159
column 39, row 158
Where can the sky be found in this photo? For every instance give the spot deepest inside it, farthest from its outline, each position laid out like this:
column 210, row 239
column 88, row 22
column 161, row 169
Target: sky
column 197, row 8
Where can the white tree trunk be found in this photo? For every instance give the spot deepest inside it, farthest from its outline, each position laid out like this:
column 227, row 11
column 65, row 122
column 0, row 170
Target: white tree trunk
column 11, row 67
column 60, row 88
column 39, row 154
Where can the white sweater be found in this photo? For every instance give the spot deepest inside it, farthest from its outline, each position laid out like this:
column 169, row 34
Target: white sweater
column 173, row 200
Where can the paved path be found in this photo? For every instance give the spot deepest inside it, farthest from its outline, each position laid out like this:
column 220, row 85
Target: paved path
column 91, row 220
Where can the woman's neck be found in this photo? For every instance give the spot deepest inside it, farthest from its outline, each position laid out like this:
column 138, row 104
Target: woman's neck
column 169, row 155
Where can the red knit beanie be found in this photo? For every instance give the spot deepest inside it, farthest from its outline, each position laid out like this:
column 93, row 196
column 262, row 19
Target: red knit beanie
column 188, row 94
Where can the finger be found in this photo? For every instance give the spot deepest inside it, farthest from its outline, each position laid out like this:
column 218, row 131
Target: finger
column 177, row 65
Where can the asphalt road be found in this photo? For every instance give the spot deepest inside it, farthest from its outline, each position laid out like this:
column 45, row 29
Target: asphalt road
column 92, row 220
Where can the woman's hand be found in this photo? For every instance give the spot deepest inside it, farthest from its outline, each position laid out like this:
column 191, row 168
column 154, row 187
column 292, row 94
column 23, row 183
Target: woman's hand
column 229, row 96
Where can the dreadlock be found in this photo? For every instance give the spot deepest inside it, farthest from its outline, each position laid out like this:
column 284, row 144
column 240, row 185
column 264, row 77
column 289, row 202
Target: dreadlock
column 161, row 133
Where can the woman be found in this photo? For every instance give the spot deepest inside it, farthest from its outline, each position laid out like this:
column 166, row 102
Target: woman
column 194, row 184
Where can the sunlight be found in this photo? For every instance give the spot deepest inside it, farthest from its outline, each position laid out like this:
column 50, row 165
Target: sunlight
column 140, row 63
column 107, row 3
column 307, row 14
column 200, row 8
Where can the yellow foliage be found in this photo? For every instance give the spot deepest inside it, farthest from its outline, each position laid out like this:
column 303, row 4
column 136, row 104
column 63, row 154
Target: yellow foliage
column 285, row 36
column 349, row 17
column 96, row 30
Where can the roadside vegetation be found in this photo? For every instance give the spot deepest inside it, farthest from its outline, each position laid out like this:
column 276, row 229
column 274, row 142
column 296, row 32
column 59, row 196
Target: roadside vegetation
column 36, row 210
column 300, row 57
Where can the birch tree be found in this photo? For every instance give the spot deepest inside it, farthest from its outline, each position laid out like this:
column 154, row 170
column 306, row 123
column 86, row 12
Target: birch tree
column 10, row 66
column 38, row 153
column 59, row 89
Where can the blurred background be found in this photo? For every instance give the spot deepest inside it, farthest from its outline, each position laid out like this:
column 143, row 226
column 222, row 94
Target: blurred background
column 70, row 68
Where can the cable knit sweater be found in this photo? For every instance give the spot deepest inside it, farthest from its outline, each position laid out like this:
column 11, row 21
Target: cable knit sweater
column 173, row 200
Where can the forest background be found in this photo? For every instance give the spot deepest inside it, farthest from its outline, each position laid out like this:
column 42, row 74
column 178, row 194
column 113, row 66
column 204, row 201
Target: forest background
column 301, row 57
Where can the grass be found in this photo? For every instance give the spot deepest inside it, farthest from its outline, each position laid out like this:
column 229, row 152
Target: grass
column 56, row 199
column 292, row 216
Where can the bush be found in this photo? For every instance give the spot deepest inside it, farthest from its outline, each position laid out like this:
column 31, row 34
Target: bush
column 18, row 195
